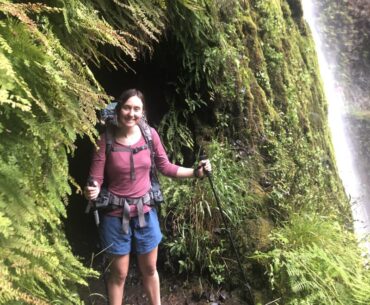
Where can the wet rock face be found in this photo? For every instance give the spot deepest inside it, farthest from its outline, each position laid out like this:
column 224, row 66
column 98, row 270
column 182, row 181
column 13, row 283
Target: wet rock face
column 296, row 8
column 258, row 233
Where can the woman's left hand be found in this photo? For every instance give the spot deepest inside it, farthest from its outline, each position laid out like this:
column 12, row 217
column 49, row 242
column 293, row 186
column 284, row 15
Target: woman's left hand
column 205, row 167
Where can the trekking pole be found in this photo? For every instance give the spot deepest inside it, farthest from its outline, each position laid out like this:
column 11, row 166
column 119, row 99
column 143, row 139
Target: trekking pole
column 90, row 182
column 249, row 295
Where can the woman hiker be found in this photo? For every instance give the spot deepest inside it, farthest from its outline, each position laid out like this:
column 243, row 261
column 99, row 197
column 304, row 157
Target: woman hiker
column 126, row 173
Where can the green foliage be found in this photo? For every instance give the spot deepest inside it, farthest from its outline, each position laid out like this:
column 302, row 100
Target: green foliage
column 48, row 96
column 256, row 68
column 316, row 260
column 301, row 176
column 193, row 219
column 174, row 126
column 213, row 59
column 248, row 73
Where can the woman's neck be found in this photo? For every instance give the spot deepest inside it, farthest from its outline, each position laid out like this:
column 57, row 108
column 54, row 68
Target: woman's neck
column 125, row 132
column 128, row 136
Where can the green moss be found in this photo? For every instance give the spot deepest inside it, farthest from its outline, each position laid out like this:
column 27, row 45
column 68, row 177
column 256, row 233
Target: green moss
column 257, row 234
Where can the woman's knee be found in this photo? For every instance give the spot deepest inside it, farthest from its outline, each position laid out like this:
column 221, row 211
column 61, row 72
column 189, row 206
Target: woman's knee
column 119, row 269
column 148, row 263
column 149, row 270
column 118, row 275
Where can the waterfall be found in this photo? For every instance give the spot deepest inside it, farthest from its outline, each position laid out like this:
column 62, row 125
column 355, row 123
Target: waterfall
column 348, row 168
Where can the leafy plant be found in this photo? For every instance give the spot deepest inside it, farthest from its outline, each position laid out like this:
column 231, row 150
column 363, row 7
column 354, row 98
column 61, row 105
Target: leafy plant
column 191, row 211
column 316, row 260
column 175, row 126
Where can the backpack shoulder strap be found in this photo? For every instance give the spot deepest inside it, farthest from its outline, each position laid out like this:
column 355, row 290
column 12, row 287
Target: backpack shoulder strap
column 156, row 193
column 147, row 134
column 145, row 130
column 109, row 138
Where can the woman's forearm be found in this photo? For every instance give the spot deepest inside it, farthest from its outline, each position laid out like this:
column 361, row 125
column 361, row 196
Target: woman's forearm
column 185, row 172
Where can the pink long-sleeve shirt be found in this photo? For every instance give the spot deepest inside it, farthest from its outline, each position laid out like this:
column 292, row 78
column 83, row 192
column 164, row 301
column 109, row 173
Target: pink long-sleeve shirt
column 115, row 169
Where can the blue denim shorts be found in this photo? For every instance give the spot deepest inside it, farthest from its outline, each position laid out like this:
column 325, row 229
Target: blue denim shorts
column 139, row 240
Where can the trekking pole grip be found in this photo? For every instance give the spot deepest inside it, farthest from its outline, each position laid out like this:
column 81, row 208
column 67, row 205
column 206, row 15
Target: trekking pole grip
column 91, row 182
column 202, row 157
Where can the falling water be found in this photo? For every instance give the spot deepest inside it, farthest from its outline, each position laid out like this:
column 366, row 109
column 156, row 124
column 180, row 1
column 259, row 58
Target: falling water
column 343, row 146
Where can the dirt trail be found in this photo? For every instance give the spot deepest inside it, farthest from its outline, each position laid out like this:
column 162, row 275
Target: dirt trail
column 174, row 291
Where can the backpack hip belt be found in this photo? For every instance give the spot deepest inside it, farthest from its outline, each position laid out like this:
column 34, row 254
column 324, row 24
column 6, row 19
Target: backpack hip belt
column 125, row 204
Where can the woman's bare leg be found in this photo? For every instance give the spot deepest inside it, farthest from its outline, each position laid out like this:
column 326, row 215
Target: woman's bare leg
column 116, row 279
column 148, row 268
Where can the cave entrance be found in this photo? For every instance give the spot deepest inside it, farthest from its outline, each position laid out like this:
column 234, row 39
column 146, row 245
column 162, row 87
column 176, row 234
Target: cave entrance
column 154, row 76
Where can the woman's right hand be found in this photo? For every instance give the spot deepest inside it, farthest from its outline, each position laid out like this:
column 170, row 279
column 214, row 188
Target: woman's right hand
column 92, row 191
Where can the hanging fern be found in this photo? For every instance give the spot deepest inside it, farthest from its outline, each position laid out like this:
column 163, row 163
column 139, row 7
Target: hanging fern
column 48, row 96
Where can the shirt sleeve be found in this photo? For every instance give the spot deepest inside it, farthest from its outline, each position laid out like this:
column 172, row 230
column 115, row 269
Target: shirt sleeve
column 162, row 163
column 98, row 161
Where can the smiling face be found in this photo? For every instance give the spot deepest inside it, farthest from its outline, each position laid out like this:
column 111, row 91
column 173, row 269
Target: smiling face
column 130, row 112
